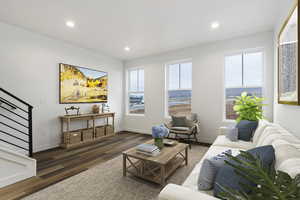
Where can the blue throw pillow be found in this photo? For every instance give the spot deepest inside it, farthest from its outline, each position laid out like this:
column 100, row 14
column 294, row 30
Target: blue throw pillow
column 246, row 129
column 209, row 170
column 227, row 177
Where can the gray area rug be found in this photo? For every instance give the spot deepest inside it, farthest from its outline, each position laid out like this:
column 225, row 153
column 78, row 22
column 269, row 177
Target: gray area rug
column 106, row 181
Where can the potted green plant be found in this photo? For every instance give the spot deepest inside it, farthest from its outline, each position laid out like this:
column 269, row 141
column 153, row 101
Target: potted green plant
column 248, row 107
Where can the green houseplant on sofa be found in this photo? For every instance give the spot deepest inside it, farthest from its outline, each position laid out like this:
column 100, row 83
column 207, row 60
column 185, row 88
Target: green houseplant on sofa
column 248, row 107
column 249, row 110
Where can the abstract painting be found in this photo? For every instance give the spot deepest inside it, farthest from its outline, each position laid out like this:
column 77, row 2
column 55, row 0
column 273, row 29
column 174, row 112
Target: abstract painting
column 288, row 53
column 82, row 85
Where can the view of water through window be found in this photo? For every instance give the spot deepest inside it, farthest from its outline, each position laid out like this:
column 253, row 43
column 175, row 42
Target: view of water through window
column 179, row 101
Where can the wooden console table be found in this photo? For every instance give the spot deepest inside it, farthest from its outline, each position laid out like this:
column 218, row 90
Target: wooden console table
column 67, row 119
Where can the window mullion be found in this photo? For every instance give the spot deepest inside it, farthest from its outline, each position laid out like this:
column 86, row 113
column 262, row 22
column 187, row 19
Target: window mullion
column 179, row 74
column 137, row 79
column 243, row 82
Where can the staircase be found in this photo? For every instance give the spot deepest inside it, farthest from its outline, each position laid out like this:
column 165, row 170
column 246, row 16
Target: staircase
column 16, row 163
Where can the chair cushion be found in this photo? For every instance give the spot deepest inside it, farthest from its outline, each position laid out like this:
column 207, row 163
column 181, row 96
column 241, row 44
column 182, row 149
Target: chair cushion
column 227, row 177
column 246, row 129
column 179, row 121
column 209, row 169
column 178, row 128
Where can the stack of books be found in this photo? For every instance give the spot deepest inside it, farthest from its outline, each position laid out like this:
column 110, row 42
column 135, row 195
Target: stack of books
column 148, row 149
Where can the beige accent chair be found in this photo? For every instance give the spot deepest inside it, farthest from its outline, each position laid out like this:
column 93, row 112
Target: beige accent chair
column 187, row 134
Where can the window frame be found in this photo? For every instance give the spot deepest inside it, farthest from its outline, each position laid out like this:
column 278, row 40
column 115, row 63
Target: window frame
column 166, row 96
column 128, row 92
column 263, row 85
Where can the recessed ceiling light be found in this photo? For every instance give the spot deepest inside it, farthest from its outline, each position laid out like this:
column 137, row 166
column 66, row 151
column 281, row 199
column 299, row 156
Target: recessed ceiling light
column 127, row 48
column 215, row 25
column 70, row 24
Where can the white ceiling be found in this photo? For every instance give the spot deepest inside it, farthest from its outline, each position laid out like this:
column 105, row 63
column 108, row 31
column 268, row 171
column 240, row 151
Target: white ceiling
column 147, row 26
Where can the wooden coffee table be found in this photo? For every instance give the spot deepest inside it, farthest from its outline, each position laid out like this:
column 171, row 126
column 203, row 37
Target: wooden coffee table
column 157, row 168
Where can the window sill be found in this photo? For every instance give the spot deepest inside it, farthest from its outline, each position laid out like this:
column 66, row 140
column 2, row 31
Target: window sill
column 229, row 121
column 135, row 115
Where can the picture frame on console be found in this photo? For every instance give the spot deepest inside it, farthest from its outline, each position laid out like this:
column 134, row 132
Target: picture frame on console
column 288, row 64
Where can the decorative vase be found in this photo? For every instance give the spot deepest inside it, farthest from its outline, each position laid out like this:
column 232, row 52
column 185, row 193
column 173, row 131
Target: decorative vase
column 95, row 109
column 159, row 142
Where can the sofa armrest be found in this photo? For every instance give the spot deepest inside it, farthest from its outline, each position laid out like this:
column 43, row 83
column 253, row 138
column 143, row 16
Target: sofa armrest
column 223, row 130
column 177, row 192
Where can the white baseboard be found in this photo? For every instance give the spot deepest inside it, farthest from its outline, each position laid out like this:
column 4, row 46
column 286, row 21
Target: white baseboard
column 137, row 131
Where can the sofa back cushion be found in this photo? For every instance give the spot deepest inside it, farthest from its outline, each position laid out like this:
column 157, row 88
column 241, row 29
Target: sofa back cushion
column 262, row 124
column 267, row 136
column 179, row 121
column 287, row 157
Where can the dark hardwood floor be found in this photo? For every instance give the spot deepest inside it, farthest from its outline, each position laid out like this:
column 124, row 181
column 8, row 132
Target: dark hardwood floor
column 58, row 164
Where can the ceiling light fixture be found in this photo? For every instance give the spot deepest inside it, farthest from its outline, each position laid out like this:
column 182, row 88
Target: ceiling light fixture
column 70, row 24
column 215, row 25
column 127, row 48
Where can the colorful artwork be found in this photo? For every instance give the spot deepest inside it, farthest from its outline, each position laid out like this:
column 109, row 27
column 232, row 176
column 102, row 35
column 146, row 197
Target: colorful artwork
column 82, row 85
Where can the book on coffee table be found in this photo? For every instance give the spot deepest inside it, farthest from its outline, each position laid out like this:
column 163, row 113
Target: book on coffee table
column 148, row 148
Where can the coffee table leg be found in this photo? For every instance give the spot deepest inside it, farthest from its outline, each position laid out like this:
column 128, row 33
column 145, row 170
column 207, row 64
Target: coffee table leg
column 163, row 175
column 186, row 156
column 124, row 165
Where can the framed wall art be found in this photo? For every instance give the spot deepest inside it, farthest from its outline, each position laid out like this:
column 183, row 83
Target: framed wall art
column 288, row 54
column 81, row 85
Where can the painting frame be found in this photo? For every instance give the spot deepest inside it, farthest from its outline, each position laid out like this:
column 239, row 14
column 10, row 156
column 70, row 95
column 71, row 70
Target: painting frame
column 78, row 102
column 280, row 83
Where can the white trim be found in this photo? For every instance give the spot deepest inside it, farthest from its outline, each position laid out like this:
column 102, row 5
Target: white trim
column 252, row 50
column 186, row 60
column 135, row 115
column 141, row 131
column 128, row 70
column 22, row 167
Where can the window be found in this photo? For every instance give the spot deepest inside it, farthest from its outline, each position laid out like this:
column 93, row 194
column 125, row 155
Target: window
column 136, row 91
column 243, row 73
column 179, row 88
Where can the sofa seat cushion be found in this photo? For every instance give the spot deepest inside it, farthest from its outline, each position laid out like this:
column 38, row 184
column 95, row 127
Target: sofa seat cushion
column 223, row 141
column 176, row 192
column 192, row 179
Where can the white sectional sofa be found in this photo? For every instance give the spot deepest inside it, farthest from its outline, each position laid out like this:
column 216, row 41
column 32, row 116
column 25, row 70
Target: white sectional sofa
column 287, row 153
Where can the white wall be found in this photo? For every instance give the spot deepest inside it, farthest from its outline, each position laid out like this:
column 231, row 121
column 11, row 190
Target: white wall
column 207, row 94
column 286, row 115
column 29, row 69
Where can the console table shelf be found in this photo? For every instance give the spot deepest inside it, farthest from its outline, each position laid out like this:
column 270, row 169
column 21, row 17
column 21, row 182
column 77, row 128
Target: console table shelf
column 66, row 128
